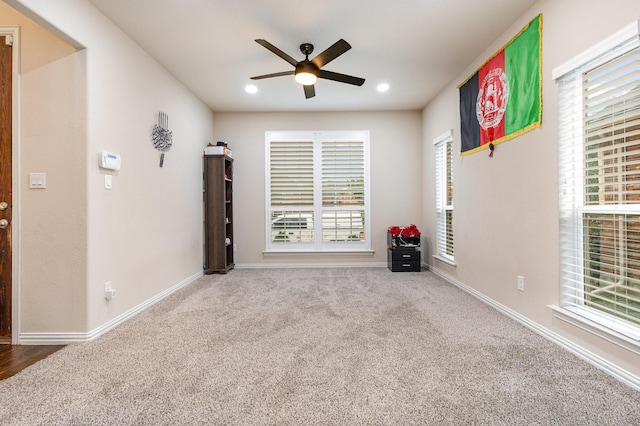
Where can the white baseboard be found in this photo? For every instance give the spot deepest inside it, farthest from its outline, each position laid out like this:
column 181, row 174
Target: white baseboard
column 78, row 337
column 56, row 338
column 597, row 361
column 310, row 265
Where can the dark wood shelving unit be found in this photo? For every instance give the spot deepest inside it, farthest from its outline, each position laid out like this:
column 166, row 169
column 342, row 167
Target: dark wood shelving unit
column 218, row 214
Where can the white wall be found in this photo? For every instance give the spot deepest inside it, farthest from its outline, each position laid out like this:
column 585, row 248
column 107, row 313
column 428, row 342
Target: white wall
column 506, row 207
column 144, row 235
column 396, row 173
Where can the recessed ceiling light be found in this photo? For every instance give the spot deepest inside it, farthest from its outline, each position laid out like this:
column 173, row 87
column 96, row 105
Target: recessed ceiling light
column 250, row 88
column 382, row 87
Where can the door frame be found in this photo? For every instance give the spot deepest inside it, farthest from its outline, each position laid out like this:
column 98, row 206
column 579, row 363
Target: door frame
column 14, row 33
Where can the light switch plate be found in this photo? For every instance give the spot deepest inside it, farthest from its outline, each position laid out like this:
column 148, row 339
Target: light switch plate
column 107, row 181
column 37, row 180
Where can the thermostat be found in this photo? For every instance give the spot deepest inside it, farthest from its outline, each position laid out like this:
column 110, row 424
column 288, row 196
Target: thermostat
column 109, row 160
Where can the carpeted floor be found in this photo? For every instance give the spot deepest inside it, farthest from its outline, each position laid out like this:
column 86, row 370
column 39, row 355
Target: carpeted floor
column 317, row 346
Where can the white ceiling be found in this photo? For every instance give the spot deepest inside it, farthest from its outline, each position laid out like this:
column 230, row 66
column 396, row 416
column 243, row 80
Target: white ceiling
column 416, row 46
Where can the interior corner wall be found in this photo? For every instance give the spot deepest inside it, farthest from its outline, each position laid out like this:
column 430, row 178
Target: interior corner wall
column 52, row 222
column 395, row 166
column 506, row 219
column 145, row 234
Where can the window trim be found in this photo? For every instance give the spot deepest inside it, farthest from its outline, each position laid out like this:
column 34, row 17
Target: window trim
column 440, row 144
column 607, row 45
column 318, row 246
column 592, row 320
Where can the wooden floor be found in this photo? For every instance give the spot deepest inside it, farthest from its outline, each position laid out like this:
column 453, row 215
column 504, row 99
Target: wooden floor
column 15, row 358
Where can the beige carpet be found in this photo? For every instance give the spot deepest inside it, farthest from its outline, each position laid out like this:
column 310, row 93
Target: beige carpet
column 317, row 346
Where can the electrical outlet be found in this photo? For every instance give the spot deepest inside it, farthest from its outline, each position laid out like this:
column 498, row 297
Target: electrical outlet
column 109, row 293
column 520, row 283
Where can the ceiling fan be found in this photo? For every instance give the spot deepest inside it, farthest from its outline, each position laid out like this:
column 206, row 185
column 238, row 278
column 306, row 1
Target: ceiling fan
column 308, row 71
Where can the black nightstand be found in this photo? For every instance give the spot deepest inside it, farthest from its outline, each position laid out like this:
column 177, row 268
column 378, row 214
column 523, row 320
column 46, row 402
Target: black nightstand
column 401, row 259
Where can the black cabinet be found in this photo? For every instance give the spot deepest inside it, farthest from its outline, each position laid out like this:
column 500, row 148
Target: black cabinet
column 403, row 259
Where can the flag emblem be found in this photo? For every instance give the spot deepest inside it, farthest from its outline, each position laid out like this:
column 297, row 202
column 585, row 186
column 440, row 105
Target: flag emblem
column 492, row 98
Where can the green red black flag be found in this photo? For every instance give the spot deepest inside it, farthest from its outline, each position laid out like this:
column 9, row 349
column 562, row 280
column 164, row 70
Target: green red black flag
column 503, row 98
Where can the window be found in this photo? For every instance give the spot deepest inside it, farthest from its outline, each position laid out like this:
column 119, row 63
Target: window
column 444, row 196
column 600, row 185
column 318, row 191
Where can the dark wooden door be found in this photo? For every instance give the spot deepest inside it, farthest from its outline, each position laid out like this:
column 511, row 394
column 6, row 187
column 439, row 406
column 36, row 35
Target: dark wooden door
column 5, row 190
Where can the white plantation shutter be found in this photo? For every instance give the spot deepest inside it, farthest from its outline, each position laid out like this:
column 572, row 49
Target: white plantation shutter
column 600, row 188
column 342, row 173
column 291, row 165
column 317, row 187
column 444, row 196
column 343, row 187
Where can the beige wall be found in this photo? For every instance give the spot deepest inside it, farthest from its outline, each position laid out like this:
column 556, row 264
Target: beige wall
column 506, row 207
column 396, row 173
column 53, row 243
column 144, row 235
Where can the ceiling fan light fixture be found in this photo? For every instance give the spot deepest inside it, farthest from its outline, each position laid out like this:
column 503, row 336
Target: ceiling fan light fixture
column 306, row 78
column 306, row 74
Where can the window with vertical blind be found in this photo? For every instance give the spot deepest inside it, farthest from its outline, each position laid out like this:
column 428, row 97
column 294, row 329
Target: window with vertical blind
column 599, row 104
column 444, row 196
column 317, row 191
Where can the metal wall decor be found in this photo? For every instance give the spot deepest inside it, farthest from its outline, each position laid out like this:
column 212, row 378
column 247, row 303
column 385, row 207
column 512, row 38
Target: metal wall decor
column 161, row 135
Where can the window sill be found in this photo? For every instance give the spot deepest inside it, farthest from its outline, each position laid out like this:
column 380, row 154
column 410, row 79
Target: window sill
column 318, row 252
column 622, row 335
column 445, row 260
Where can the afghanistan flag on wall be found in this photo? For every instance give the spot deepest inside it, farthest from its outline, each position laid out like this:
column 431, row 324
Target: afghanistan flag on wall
column 502, row 99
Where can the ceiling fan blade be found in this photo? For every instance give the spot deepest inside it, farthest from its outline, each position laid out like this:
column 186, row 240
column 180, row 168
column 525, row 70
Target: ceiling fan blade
column 277, row 51
column 335, row 50
column 309, row 91
column 275, row 74
column 342, row 78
